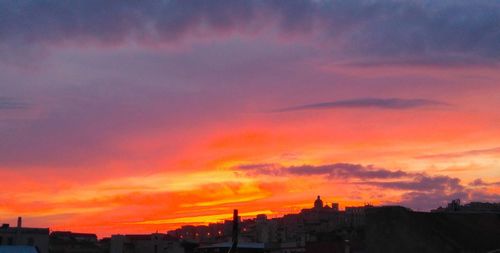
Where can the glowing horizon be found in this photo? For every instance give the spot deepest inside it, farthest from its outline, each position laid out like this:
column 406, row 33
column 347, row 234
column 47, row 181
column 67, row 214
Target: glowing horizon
column 139, row 117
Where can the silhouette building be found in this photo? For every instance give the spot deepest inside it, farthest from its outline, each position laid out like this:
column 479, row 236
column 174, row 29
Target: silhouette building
column 24, row 236
column 318, row 203
column 290, row 233
column 70, row 242
column 146, row 243
column 472, row 207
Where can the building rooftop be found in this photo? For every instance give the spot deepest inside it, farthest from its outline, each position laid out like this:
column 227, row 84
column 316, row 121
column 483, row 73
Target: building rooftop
column 7, row 229
column 68, row 233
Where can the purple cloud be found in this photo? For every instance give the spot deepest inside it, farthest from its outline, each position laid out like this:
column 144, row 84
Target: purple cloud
column 488, row 151
column 479, row 182
column 365, row 32
column 393, row 179
column 336, row 170
column 7, row 103
column 427, row 200
column 381, row 103
column 425, row 183
column 418, row 190
column 346, row 170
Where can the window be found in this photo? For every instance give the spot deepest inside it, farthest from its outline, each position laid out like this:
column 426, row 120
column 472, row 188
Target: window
column 10, row 241
column 1, row 240
column 31, row 241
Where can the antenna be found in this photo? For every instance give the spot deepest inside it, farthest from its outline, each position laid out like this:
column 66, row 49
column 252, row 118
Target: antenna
column 234, row 247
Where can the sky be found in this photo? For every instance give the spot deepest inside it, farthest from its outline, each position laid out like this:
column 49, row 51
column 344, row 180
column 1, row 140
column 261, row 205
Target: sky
column 142, row 116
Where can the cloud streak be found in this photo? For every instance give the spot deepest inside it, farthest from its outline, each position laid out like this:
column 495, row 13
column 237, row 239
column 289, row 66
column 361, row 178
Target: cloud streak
column 480, row 183
column 379, row 103
column 347, row 170
column 424, row 183
column 414, row 32
column 474, row 152
column 7, row 103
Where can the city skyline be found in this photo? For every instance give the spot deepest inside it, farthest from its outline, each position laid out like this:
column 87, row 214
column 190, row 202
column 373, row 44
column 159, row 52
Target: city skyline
column 319, row 228
column 137, row 117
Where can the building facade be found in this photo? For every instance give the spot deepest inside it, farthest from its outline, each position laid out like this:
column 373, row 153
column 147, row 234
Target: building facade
column 291, row 233
column 23, row 236
column 71, row 242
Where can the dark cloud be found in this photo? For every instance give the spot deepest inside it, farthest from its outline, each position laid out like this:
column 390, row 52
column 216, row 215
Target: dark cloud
column 424, row 183
column 261, row 169
column 336, row 170
column 387, row 31
column 382, row 103
column 346, row 170
column 424, row 201
column 7, row 103
column 484, row 196
column 259, row 166
column 479, row 182
column 367, row 175
column 489, row 151
column 418, row 190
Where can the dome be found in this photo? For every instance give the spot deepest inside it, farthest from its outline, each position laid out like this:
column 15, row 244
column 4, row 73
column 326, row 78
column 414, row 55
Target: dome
column 318, row 203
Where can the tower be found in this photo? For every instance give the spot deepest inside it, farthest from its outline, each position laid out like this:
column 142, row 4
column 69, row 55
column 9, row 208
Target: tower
column 318, row 204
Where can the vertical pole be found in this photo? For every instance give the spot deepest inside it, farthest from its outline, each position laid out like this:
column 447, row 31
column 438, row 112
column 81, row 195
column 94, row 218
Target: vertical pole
column 17, row 238
column 234, row 247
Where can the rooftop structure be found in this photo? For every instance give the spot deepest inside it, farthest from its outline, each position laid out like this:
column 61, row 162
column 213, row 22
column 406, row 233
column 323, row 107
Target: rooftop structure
column 472, row 207
column 24, row 236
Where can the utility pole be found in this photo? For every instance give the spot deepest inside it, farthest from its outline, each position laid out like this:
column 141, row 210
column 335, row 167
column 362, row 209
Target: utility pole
column 234, row 247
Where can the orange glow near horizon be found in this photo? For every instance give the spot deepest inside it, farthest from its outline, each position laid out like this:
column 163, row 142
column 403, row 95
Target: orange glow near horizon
column 130, row 127
column 142, row 203
column 165, row 200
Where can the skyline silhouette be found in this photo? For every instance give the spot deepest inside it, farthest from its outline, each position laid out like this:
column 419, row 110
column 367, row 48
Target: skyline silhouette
column 142, row 116
column 321, row 228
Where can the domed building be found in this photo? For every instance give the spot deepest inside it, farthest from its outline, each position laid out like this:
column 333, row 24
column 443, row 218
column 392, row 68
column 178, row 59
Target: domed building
column 319, row 206
column 318, row 203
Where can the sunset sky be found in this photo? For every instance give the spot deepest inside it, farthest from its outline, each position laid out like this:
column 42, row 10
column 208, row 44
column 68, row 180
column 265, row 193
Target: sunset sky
column 138, row 116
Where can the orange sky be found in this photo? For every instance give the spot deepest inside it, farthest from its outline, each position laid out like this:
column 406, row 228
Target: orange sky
column 145, row 118
column 202, row 182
